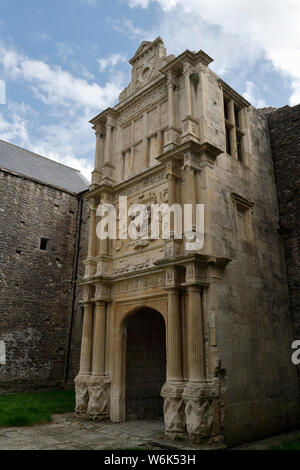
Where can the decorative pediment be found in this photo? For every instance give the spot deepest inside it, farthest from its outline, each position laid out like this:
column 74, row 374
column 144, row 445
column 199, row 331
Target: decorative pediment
column 146, row 63
column 143, row 46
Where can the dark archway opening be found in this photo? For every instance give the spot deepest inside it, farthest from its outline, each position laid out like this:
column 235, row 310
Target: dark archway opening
column 145, row 364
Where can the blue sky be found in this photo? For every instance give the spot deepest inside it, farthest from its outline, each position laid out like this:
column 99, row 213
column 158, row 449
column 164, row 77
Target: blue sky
column 64, row 61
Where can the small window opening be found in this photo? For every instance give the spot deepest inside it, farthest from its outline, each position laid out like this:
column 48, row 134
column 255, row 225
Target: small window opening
column 228, row 146
column 43, row 244
column 239, row 147
column 226, row 114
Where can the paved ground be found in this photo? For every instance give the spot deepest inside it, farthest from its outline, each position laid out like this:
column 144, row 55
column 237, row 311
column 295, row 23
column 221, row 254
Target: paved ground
column 69, row 433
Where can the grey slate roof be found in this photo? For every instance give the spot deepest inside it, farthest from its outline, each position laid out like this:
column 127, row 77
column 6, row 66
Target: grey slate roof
column 40, row 168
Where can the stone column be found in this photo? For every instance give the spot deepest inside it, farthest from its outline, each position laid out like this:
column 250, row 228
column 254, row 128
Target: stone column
column 174, row 353
column 190, row 198
column 174, row 414
column 98, row 364
column 195, row 335
column 190, row 125
column 92, row 233
column 200, row 395
column 82, row 380
column 108, row 138
column 104, row 244
column 99, row 383
column 98, row 152
column 173, row 245
column 188, row 95
column 90, row 262
column 145, row 141
column 171, row 133
column 86, row 344
column 96, row 175
column 171, row 101
column 159, row 142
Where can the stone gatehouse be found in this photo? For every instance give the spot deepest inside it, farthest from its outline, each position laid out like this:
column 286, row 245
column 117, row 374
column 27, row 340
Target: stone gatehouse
column 203, row 337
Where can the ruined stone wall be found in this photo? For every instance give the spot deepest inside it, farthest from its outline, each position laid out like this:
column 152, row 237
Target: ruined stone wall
column 284, row 128
column 254, row 328
column 35, row 285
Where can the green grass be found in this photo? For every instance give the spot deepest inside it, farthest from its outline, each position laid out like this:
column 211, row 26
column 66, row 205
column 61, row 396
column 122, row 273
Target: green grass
column 288, row 445
column 34, row 408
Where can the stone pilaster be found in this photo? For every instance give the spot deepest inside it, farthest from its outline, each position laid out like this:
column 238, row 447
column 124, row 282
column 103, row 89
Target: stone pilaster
column 108, row 167
column 190, row 126
column 99, row 156
column 90, row 262
column 171, row 134
column 173, row 247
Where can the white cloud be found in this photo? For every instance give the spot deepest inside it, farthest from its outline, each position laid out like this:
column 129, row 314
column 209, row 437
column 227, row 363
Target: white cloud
column 127, row 26
column 63, row 132
column 111, row 61
column 57, row 141
column 234, row 31
column 251, row 95
column 89, row 2
column 2, row 92
column 54, row 85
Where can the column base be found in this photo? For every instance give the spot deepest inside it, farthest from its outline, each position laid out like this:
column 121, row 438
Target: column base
column 174, row 410
column 92, row 397
column 99, row 390
column 82, row 395
column 202, row 411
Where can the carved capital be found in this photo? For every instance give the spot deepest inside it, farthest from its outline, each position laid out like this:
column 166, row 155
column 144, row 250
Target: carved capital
column 187, row 69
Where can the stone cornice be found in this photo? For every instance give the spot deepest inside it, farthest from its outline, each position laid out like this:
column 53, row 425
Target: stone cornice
column 237, row 199
column 102, row 117
column 193, row 257
column 233, row 94
column 178, row 152
column 187, row 56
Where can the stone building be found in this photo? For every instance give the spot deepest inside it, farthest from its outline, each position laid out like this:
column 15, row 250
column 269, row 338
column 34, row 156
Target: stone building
column 202, row 337
column 43, row 238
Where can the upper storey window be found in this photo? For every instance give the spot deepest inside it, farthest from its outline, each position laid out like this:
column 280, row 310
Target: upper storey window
column 236, row 129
